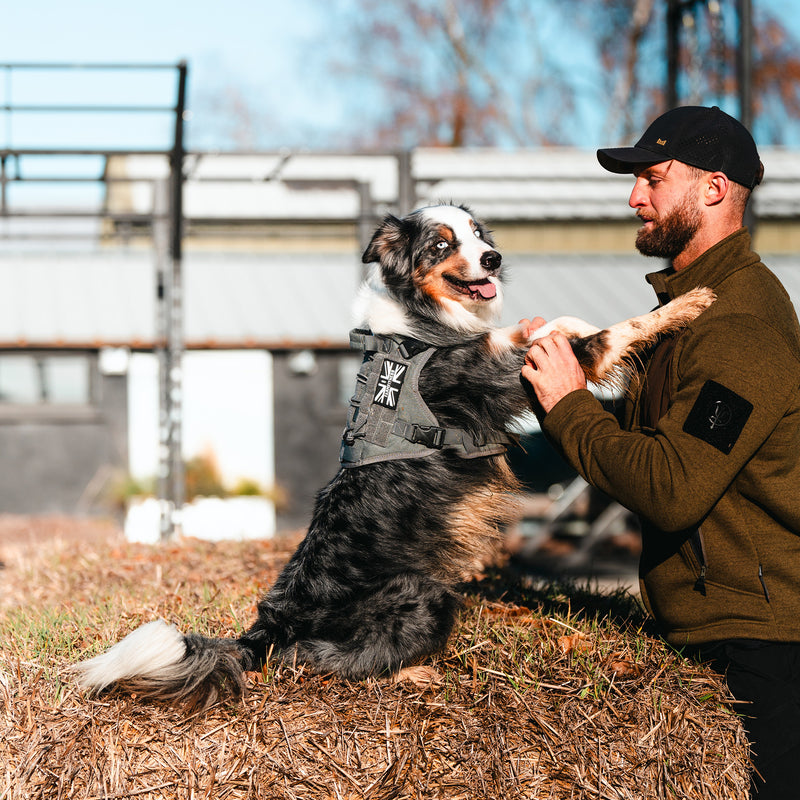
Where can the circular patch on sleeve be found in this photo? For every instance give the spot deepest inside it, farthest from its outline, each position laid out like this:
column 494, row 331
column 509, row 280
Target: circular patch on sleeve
column 718, row 416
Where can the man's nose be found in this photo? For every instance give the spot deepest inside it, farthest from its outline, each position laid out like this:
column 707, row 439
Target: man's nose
column 637, row 195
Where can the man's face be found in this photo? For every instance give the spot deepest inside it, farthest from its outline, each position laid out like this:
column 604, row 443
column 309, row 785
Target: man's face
column 665, row 199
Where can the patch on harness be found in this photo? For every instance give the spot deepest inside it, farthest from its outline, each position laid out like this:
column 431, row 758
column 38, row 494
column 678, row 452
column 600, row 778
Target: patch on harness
column 718, row 416
column 387, row 390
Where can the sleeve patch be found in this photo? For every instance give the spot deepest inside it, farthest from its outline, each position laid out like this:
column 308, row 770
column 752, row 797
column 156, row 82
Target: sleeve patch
column 718, row 416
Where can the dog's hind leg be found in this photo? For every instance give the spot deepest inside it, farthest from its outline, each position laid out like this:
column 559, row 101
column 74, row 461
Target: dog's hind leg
column 382, row 631
column 421, row 675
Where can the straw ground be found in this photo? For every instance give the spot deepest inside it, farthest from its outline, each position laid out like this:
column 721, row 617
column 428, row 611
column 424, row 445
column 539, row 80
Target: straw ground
column 547, row 692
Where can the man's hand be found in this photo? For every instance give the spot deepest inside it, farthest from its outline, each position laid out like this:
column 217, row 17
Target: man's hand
column 552, row 369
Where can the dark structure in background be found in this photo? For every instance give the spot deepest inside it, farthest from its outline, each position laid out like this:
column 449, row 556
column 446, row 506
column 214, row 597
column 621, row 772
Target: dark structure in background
column 310, row 412
column 676, row 9
column 744, row 53
column 64, row 426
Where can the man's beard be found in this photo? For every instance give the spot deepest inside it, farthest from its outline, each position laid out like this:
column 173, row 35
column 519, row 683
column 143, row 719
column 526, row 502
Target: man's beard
column 669, row 236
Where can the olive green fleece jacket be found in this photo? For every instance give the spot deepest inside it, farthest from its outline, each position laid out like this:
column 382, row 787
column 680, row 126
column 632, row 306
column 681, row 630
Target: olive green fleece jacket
column 716, row 480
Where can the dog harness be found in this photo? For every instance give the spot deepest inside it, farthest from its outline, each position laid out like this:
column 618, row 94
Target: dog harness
column 388, row 418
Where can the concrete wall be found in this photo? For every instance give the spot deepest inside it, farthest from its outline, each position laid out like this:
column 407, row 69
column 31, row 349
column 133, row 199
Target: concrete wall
column 60, row 459
column 310, row 415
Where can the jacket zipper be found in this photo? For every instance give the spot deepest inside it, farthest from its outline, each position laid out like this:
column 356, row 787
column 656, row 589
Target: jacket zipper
column 763, row 582
column 696, row 542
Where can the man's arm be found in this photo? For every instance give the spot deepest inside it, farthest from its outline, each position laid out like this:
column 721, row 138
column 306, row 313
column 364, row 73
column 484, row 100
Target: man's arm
column 675, row 476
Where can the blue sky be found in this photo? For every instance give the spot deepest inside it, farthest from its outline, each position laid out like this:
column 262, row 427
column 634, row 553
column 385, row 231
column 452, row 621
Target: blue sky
column 257, row 41
column 256, row 46
column 265, row 49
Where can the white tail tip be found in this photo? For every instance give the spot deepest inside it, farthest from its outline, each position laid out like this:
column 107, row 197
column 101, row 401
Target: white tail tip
column 145, row 653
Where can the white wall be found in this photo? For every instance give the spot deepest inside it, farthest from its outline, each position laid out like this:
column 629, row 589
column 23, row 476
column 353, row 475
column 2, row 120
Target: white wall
column 227, row 408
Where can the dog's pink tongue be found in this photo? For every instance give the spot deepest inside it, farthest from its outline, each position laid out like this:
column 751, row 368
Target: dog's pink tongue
column 486, row 289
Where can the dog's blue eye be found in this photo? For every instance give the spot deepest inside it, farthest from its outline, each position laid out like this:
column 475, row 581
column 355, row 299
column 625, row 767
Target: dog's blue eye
column 478, row 234
column 442, row 245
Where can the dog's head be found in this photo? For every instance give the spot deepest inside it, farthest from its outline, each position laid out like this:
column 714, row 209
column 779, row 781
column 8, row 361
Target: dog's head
column 439, row 264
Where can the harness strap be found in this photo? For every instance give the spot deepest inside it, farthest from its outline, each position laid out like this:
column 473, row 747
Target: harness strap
column 371, row 343
column 437, row 438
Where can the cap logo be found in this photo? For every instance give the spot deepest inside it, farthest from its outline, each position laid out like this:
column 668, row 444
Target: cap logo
column 661, row 141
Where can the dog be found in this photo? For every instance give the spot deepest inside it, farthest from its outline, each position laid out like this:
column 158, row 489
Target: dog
column 424, row 487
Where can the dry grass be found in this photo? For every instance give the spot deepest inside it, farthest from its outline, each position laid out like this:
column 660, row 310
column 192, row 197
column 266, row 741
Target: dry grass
column 547, row 693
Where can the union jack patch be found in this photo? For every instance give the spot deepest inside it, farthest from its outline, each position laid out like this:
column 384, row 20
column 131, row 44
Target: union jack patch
column 387, row 392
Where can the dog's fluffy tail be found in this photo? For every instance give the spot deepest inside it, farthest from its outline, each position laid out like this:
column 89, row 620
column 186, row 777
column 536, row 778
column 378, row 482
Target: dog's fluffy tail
column 157, row 662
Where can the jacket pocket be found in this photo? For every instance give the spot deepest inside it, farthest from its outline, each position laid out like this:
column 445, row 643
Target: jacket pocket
column 694, row 555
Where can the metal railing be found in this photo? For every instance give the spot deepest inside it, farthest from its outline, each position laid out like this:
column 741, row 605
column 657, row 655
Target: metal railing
column 166, row 221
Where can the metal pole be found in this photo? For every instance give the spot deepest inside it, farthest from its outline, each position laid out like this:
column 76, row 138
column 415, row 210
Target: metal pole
column 744, row 69
column 366, row 217
column 673, row 50
column 3, row 180
column 176, row 164
column 173, row 365
column 744, row 62
column 406, row 189
column 160, row 234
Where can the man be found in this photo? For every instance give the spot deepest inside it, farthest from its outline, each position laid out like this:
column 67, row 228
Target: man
column 708, row 451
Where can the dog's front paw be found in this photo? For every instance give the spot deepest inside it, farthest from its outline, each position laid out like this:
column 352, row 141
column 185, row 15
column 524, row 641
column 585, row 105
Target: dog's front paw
column 515, row 337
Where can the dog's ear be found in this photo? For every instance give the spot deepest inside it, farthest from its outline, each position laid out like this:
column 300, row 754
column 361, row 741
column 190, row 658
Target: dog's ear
column 387, row 238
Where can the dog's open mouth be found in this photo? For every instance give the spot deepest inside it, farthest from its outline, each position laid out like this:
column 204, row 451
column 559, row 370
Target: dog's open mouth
column 483, row 289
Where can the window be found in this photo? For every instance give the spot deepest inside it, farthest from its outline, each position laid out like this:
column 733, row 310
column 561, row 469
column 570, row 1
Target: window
column 44, row 379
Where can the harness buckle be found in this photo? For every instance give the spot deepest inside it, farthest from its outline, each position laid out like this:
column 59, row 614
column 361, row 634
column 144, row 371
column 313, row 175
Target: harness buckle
column 429, row 435
column 408, row 348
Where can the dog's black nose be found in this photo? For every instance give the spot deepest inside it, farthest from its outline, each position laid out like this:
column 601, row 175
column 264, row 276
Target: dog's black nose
column 491, row 260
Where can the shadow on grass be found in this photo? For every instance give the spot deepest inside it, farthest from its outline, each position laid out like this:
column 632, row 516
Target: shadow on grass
column 573, row 597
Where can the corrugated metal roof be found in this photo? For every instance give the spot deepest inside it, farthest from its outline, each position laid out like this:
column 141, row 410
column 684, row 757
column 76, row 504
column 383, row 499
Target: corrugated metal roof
column 563, row 183
column 292, row 299
column 542, row 184
column 238, row 300
column 69, row 299
column 297, row 300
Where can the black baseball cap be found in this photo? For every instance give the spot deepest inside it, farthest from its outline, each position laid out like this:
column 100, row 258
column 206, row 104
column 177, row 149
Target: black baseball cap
column 706, row 138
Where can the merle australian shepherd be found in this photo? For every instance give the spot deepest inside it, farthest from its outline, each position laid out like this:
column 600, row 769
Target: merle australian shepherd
column 370, row 591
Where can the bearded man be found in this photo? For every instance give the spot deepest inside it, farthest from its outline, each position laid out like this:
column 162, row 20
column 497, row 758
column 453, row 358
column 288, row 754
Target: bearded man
column 707, row 452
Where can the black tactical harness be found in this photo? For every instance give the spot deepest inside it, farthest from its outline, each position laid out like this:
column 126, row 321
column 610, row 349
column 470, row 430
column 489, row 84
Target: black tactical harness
column 388, row 418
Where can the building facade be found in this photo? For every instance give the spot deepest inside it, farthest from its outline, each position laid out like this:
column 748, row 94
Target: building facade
column 270, row 267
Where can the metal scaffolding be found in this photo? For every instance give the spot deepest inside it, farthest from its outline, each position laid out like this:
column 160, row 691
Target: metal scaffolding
column 166, row 225
column 677, row 12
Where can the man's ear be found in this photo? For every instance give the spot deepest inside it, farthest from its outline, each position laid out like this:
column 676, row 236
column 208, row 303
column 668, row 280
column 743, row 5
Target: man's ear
column 715, row 188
